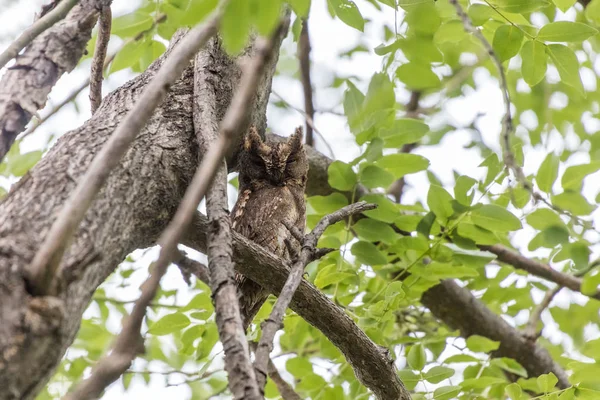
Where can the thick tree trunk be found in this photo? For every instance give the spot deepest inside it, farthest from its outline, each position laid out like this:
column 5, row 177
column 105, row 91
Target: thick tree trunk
column 132, row 209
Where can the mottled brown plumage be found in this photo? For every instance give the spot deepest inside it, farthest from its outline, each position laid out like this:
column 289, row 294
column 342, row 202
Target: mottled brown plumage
column 272, row 179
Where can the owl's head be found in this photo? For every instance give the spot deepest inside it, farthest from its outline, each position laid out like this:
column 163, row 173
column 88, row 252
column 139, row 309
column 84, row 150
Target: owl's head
column 273, row 164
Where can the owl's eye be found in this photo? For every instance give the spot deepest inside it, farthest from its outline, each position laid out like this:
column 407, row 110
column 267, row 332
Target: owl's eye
column 290, row 160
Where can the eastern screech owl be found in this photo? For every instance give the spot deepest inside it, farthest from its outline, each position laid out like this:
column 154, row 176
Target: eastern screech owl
column 272, row 179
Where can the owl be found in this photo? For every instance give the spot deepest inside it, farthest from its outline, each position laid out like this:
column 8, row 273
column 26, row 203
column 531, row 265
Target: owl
column 272, row 179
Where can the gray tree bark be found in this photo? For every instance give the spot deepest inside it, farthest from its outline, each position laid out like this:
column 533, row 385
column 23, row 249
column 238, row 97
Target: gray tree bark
column 139, row 198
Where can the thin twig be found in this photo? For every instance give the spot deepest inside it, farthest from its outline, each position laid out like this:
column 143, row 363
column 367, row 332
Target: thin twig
column 304, row 58
column 309, row 121
column 104, row 299
column 537, row 268
column 272, row 324
column 286, row 391
column 530, row 331
column 507, row 124
column 35, row 30
column 46, row 261
column 104, row 24
column 159, row 19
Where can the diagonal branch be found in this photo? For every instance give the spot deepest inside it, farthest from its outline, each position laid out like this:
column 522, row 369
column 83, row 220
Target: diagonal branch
column 129, row 343
column 104, row 24
column 44, row 266
column 272, row 324
column 371, row 363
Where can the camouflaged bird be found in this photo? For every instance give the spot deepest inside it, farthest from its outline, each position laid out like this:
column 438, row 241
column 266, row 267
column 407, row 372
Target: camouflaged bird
column 272, row 178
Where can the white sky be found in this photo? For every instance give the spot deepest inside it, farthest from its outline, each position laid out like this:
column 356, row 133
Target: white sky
column 328, row 39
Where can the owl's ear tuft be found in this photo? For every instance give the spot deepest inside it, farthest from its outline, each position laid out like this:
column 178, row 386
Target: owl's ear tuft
column 252, row 139
column 295, row 141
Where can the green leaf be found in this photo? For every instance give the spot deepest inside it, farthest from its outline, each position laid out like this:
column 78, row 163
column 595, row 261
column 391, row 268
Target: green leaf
column 495, row 218
column 416, row 357
column 564, row 5
column 440, row 271
column 573, row 202
column 480, row 13
column 235, row 25
column 438, row 374
column 299, row 367
column 520, row 6
column 328, row 204
column 128, row 56
column 481, row 382
column 546, row 382
column 573, row 177
column 404, row 131
column 566, row 31
column 20, row 164
column 507, row 41
column 440, row 202
column 407, row 4
column 386, row 211
column 417, row 76
column 534, row 63
column 463, row 185
column 510, row 365
column 514, row 391
column 592, row 11
column 341, row 176
column 367, row 253
column 197, row 11
column 373, row 176
column 401, row 164
column 446, row 393
column 129, row 25
column 169, row 323
column 265, row 15
column 481, row 344
column 548, row 172
column 566, row 62
column 152, row 51
column 542, row 218
column 348, row 12
column 300, row 7
column 374, row 231
column 394, row 293
column 461, row 358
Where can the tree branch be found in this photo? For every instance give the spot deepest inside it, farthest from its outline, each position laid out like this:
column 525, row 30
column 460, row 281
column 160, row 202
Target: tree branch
column 189, row 267
column 25, row 86
column 304, row 58
column 371, row 363
column 44, row 266
column 104, row 24
column 158, row 20
column 537, row 268
column 272, row 324
column 129, row 342
column 36, row 29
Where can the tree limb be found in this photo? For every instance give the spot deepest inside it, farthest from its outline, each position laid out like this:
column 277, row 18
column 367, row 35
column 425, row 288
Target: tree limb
column 272, row 324
column 43, row 268
column 371, row 363
column 104, row 24
column 36, row 29
column 25, row 86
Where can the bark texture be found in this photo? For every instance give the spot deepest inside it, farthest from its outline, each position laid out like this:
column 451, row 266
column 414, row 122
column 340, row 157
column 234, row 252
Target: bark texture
column 24, row 88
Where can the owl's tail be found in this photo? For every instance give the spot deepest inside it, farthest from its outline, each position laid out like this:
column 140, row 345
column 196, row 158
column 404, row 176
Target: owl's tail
column 251, row 297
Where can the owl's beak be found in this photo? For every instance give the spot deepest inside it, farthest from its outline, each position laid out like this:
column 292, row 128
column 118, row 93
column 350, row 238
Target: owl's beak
column 276, row 177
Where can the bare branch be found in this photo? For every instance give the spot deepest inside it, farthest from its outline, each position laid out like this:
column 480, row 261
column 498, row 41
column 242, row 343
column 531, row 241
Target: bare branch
column 43, row 267
column 371, row 363
column 286, row 390
column 530, row 332
column 537, row 268
column 304, row 58
column 159, row 19
column 189, row 267
column 104, row 23
column 272, row 324
column 36, row 29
